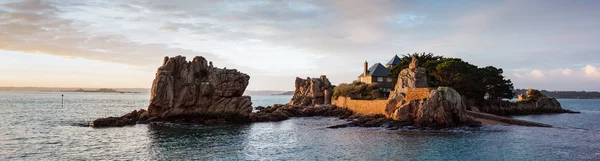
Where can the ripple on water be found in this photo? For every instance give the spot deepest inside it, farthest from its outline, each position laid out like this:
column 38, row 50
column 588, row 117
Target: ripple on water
column 35, row 127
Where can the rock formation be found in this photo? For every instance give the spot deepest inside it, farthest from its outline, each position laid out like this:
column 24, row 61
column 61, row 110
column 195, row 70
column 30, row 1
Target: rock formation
column 413, row 77
column 412, row 101
column 191, row 90
column 444, row 107
column 312, row 91
column 534, row 103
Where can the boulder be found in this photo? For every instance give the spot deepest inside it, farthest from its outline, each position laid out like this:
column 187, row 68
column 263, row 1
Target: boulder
column 443, row 108
column 312, row 91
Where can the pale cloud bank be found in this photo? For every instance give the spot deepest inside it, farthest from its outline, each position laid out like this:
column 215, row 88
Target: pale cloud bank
column 274, row 41
column 558, row 79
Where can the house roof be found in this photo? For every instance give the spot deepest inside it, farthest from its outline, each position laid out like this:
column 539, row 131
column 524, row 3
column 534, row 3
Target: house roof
column 394, row 61
column 377, row 70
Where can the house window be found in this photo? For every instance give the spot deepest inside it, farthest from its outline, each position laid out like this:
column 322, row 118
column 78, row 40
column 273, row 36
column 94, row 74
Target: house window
column 389, row 80
column 379, row 79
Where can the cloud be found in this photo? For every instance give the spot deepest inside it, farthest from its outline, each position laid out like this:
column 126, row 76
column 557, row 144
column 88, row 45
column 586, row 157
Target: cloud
column 566, row 72
column 268, row 38
column 591, row 71
column 26, row 29
column 538, row 74
column 575, row 78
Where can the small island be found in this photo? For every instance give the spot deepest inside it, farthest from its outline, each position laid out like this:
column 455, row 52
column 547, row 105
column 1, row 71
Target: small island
column 428, row 95
column 102, row 90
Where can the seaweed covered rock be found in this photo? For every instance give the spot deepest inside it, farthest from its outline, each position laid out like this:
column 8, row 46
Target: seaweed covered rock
column 280, row 112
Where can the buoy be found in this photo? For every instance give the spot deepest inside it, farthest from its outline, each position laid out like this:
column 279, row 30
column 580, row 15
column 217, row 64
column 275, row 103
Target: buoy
column 91, row 124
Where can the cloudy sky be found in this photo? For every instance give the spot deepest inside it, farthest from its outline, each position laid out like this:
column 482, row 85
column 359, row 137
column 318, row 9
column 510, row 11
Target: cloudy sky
column 545, row 44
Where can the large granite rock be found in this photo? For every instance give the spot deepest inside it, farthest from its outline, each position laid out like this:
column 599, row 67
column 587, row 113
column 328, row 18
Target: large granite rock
column 312, row 91
column 443, row 108
column 413, row 77
column 534, row 103
column 191, row 90
column 196, row 87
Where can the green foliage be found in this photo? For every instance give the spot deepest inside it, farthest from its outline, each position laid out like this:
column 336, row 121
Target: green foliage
column 496, row 86
column 469, row 80
column 356, row 90
column 458, row 74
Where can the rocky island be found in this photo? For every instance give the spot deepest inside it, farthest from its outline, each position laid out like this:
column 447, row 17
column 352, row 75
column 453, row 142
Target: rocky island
column 197, row 92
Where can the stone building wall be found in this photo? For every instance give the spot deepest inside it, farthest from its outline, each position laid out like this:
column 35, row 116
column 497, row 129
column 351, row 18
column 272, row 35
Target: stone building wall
column 365, row 107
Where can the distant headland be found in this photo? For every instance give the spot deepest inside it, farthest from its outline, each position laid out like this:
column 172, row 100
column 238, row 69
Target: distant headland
column 103, row 90
column 285, row 93
column 75, row 89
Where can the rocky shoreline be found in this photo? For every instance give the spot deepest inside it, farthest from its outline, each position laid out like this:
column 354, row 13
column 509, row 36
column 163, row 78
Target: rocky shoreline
column 534, row 102
column 196, row 92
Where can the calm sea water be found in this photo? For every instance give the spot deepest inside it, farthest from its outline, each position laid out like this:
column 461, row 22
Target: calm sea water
column 34, row 126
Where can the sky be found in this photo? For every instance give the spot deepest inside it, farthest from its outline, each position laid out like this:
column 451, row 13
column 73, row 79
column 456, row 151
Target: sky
column 543, row 44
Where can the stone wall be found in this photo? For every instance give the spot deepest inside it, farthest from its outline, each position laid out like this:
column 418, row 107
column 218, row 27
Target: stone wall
column 365, row 107
column 417, row 93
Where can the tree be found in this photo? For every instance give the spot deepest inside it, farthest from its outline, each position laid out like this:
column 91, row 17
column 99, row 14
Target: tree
column 496, row 86
column 469, row 80
column 458, row 74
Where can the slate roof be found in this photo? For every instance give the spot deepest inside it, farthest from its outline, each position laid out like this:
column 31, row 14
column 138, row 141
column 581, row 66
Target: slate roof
column 377, row 70
column 394, row 61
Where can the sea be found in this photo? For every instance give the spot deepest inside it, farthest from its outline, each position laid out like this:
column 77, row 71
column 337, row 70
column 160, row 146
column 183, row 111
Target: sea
column 47, row 126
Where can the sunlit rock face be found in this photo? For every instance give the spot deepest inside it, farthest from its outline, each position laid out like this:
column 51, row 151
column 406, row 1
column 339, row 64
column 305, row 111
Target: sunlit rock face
column 312, row 91
column 412, row 101
column 444, row 107
column 191, row 92
column 196, row 87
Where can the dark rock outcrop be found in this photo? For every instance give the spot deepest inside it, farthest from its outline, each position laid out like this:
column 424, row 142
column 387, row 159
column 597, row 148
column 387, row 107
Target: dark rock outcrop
column 283, row 112
column 127, row 119
column 192, row 91
column 533, row 103
column 280, row 112
column 312, row 91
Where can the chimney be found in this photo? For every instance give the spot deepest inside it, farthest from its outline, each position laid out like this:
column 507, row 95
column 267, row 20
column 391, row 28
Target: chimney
column 365, row 69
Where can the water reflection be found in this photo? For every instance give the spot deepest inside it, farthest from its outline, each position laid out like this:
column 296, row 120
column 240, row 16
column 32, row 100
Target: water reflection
column 196, row 142
column 309, row 139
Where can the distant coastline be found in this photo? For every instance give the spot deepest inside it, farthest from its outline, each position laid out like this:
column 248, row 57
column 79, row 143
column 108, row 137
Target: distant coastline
column 102, row 90
column 564, row 94
column 75, row 89
column 290, row 93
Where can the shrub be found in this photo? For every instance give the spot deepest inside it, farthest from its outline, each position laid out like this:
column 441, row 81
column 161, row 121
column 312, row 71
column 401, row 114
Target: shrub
column 356, row 88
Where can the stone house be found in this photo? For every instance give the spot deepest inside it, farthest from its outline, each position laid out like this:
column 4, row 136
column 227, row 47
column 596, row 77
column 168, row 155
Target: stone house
column 378, row 74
